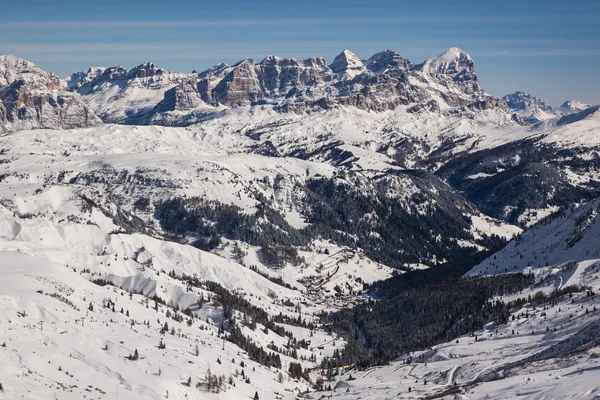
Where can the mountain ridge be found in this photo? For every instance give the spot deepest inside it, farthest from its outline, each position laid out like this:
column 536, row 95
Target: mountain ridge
column 447, row 83
column 533, row 109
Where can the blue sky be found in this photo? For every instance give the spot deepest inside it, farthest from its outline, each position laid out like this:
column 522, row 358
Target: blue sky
column 548, row 48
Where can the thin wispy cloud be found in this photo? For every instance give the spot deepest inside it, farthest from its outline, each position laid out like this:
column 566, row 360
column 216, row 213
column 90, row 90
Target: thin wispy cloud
column 546, row 53
column 230, row 49
column 289, row 21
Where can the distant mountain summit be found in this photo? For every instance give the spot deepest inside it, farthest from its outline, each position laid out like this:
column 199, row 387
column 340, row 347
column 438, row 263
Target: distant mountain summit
column 78, row 79
column 386, row 61
column 347, row 64
column 532, row 109
column 454, row 62
column 571, row 106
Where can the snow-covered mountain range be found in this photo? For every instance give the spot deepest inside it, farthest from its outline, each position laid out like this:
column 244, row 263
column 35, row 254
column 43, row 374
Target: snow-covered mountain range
column 385, row 81
column 206, row 221
column 411, row 131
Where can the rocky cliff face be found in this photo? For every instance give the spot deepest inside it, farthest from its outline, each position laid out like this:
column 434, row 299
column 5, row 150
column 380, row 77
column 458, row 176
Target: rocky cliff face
column 31, row 98
column 147, row 94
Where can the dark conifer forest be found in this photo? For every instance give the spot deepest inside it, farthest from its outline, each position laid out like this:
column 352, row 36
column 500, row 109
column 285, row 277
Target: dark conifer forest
column 417, row 318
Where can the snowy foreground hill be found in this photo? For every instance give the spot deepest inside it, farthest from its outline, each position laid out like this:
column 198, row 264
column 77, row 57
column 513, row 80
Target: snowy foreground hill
column 66, row 337
column 192, row 236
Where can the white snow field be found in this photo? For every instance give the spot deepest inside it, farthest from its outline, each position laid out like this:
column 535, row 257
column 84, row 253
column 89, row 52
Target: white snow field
column 57, row 233
column 56, row 347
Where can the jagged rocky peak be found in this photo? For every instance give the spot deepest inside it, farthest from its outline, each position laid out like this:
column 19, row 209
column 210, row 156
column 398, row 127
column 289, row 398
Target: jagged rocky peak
column 244, row 61
column 383, row 82
column 13, row 68
column 453, row 62
column 273, row 60
column 145, row 70
column 282, row 74
column 248, row 82
column 279, row 62
column 347, row 64
column 316, row 62
column 96, row 75
column 387, row 60
column 520, row 101
column 113, row 73
column 215, row 70
column 78, row 79
column 313, row 62
column 571, row 106
column 529, row 108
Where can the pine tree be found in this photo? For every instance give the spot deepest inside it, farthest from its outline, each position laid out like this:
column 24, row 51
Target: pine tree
column 256, row 396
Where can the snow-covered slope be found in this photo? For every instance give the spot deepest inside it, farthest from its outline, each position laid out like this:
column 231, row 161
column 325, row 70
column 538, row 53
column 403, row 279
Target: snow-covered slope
column 121, row 95
column 554, row 164
column 61, row 339
column 548, row 347
column 64, row 336
column 161, row 167
column 562, row 241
